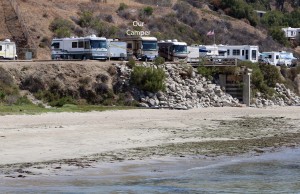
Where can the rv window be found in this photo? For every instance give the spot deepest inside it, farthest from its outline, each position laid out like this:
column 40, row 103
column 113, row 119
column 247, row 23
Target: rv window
column 97, row 44
column 180, row 48
column 74, row 44
column 0, row 48
column 87, row 44
column 277, row 56
column 55, row 45
column 243, row 52
column 253, row 54
column 80, row 44
column 236, row 52
column 228, row 52
column 129, row 46
column 149, row 45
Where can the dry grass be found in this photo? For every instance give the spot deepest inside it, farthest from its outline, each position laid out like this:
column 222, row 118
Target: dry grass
column 39, row 14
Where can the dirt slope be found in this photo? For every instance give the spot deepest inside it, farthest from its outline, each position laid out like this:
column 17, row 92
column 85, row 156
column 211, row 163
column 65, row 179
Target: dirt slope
column 39, row 14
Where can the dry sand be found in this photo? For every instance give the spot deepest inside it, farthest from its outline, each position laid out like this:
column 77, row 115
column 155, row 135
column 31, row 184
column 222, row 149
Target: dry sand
column 28, row 143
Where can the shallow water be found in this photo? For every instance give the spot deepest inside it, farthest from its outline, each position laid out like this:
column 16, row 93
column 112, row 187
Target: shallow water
column 277, row 172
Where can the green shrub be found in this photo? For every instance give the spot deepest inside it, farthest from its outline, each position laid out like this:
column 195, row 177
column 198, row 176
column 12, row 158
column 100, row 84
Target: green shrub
column 278, row 35
column 86, row 19
column 131, row 62
column 61, row 27
column 258, row 82
column 62, row 101
column 148, row 10
column 9, row 92
column 159, row 61
column 208, row 72
column 122, row 7
column 62, row 32
column 148, row 79
column 271, row 74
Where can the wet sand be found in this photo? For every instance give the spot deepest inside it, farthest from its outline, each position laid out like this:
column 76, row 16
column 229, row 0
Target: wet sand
column 33, row 145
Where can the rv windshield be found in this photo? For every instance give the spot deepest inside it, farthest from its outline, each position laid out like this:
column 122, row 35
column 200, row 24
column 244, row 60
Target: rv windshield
column 98, row 44
column 149, row 45
column 180, row 48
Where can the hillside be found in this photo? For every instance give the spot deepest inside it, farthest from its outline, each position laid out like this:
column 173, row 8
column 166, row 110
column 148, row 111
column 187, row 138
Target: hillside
column 184, row 20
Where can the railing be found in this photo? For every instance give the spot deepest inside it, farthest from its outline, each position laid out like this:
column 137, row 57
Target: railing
column 213, row 61
column 22, row 22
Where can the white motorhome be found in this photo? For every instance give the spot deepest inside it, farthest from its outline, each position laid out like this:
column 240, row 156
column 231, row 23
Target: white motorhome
column 117, row 49
column 172, row 50
column 277, row 58
column 90, row 47
column 142, row 47
column 8, row 50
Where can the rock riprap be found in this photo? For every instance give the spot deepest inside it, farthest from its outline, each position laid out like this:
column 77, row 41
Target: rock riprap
column 184, row 90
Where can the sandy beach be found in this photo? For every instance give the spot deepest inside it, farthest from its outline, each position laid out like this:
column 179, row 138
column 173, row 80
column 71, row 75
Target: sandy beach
column 28, row 143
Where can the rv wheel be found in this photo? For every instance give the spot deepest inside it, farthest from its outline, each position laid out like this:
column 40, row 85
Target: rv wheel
column 84, row 57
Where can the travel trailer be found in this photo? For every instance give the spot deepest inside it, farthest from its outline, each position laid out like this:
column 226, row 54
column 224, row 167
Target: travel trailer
column 193, row 54
column 240, row 52
column 142, row 47
column 117, row 49
column 280, row 58
column 8, row 50
column 172, row 50
column 90, row 47
column 291, row 33
column 208, row 50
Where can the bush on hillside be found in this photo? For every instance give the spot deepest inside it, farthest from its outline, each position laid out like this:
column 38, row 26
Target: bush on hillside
column 33, row 84
column 148, row 10
column 122, row 7
column 86, row 19
column 61, row 27
column 131, row 63
column 148, row 79
column 208, row 72
column 271, row 74
column 278, row 35
column 258, row 82
column 159, row 61
column 9, row 92
column 163, row 3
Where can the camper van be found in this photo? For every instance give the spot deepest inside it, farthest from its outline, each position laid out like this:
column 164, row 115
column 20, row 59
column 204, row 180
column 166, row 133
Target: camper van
column 142, row 47
column 8, row 50
column 172, row 50
column 117, row 49
column 90, row 47
column 281, row 58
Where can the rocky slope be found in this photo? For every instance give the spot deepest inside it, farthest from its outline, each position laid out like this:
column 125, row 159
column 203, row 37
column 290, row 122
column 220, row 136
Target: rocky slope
column 186, row 89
